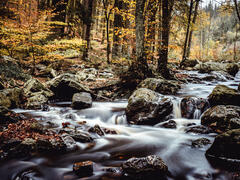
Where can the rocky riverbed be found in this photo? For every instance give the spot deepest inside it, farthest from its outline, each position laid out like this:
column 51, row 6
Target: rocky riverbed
column 185, row 128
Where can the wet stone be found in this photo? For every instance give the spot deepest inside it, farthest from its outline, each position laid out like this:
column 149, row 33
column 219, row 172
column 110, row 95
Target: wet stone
column 83, row 169
column 145, row 167
column 201, row 142
column 171, row 124
column 96, row 129
column 81, row 100
column 198, row 129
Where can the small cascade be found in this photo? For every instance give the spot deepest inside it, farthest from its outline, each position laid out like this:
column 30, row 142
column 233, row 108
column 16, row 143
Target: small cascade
column 197, row 114
column 177, row 108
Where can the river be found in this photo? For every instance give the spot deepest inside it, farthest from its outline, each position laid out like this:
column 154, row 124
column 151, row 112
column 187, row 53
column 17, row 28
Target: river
column 174, row 146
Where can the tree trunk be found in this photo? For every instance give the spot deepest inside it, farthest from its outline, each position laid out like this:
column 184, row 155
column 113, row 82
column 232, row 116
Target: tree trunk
column 165, row 24
column 88, row 29
column 108, row 41
column 118, row 25
column 187, row 33
column 191, row 32
column 237, row 10
column 140, row 66
column 152, row 9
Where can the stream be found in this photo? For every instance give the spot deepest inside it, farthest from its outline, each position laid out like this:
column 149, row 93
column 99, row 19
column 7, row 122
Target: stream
column 174, row 146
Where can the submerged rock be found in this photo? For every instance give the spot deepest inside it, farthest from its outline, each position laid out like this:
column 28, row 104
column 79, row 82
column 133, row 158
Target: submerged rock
column 193, row 107
column 171, row 124
column 198, row 129
column 146, row 107
column 83, row 169
column 201, row 142
column 223, row 95
column 81, row 100
column 145, row 168
column 226, row 145
column 161, row 86
column 65, row 85
column 222, row 118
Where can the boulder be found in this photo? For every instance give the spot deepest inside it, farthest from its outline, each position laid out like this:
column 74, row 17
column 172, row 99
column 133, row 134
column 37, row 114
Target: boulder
column 11, row 98
column 65, row 85
column 207, row 67
column 222, row 118
column 81, row 100
column 145, row 168
column 7, row 116
column 193, row 107
column 146, row 107
column 223, row 95
column 83, row 169
column 226, row 145
column 161, row 86
column 36, row 94
column 189, row 63
column 232, row 69
column 70, row 143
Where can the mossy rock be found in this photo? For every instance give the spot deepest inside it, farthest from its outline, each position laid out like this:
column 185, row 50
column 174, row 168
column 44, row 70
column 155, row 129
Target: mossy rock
column 223, row 95
column 226, row 145
column 147, row 107
column 161, row 86
column 11, row 98
column 222, row 118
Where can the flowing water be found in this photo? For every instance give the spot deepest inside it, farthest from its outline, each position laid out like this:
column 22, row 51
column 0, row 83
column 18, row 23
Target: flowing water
column 174, row 146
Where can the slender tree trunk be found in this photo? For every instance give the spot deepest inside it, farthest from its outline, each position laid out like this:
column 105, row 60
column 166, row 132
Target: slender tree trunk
column 191, row 32
column 152, row 9
column 235, row 46
column 88, row 29
column 165, row 24
column 237, row 10
column 187, row 33
column 108, row 41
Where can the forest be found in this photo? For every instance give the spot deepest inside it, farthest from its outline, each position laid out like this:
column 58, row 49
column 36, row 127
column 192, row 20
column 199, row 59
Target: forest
column 119, row 89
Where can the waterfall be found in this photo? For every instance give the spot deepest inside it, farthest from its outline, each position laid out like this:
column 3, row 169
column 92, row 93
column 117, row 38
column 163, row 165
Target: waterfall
column 177, row 108
column 197, row 114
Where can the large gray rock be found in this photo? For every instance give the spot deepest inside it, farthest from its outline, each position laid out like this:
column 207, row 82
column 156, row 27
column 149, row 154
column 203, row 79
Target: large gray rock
column 36, row 94
column 10, row 98
column 222, row 118
column 223, row 95
column 193, row 107
column 207, row 67
column 65, row 85
column 226, row 145
column 146, row 107
column 81, row 100
column 189, row 63
column 145, row 168
column 161, row 86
